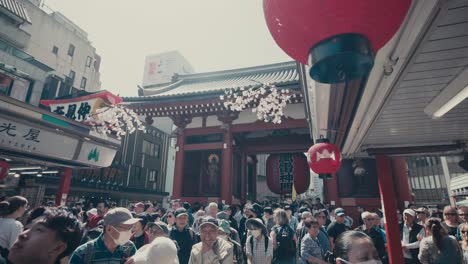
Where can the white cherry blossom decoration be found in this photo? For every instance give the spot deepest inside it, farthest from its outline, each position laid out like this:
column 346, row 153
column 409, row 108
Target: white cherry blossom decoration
column 115, row 118
column 266, row 100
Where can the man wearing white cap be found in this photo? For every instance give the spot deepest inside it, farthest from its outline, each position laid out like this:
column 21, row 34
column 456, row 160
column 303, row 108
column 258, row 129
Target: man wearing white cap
column 212, row 250
column 410, row 231
column 114, row 245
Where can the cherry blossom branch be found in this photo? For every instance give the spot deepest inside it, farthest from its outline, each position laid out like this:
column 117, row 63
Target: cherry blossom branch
column 266, row 100
column 115, row 118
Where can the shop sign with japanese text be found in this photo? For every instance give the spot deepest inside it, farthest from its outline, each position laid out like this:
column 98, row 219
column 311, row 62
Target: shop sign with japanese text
column 23, row 137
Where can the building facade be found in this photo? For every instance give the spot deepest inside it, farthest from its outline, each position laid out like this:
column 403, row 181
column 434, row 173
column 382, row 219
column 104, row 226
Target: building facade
column 62, row 45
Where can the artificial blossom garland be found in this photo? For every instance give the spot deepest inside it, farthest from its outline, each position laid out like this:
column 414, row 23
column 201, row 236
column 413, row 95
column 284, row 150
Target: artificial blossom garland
column 115, row 118
column 266, row 100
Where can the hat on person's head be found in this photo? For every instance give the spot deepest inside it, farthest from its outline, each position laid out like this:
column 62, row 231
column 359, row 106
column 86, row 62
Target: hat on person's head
column 161, row 249
column 208, row 220
column 410, row 212
column 304, row 209
column 268, row 210
column 287, row 207
column 422, row 210
column 222, row 216
column 119, row 215
column 161, row 225
column 92, row 212
column 180, row 212
column 255, row 223
column 256, row 209
column 340, row 212
column 140, row 204
column 224, row 226
column 144, row 218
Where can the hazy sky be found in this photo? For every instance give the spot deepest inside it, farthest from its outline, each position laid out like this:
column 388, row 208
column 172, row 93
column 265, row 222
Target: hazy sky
column 211, row 34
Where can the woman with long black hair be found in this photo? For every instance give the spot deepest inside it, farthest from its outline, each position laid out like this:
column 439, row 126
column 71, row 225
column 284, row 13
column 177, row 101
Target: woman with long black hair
column 354, row 247
column 438, row 246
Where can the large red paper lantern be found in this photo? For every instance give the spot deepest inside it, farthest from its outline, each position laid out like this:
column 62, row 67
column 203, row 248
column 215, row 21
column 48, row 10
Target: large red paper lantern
column 325, row 158
column 4, row 169
column 284, row 170
column 339, row 38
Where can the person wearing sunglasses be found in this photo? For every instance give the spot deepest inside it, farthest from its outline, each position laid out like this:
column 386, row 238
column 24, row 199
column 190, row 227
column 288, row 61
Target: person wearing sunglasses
column 464, row 241
column 169, row 219
column 451, row 220
column 438, row 246
column 368, row 229
column 463, row 214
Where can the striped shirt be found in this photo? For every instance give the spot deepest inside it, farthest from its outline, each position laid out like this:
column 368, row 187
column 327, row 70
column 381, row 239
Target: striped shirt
column 99, row 254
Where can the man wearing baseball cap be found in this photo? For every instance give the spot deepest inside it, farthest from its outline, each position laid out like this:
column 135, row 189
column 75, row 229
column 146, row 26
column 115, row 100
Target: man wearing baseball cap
column 183, row 235
column 114, row 245
column 337, row 227
column 211, row 249
column 411, row 233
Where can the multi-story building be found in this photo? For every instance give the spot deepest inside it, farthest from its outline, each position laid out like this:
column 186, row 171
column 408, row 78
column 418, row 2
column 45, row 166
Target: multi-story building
column 62, row 45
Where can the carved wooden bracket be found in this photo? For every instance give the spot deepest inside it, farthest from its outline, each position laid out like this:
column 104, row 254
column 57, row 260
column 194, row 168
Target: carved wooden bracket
column 149, row 120
column 181, row 121
column 227, row 117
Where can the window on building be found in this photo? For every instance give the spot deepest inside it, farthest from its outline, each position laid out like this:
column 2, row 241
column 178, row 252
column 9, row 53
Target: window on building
column 153, row 175
column 20, row 90
column 150, row 149
column 5, row 83
column 89, row 60
column 55, row 50
column 83, row 83
column 71, row 50
column 71, row 75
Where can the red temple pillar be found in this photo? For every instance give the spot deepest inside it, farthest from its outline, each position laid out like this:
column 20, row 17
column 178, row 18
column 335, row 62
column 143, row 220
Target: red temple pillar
column 181, row 122
column 64, row 187
column 179, row 166
column 226, row 177
column 386, row 187
column 402, row 186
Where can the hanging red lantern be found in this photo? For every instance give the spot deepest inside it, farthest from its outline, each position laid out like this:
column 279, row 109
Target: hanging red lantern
column 325, row 158
column 284, row 170
column 339, row 38
column 4, row 169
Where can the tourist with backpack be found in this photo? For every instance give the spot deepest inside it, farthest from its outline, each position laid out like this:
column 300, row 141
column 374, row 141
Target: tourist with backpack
column 284, row 239
column 258, row 246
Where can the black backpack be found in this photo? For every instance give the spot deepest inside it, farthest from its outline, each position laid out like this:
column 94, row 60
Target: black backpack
column 286, row 244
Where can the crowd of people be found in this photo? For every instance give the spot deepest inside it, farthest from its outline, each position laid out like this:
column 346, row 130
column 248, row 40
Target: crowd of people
column 255, row 233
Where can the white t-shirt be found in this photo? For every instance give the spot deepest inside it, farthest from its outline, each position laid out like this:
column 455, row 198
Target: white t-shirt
column 9, row 232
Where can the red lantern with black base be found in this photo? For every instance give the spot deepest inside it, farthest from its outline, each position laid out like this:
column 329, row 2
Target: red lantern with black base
column 4, row 169
column 325, row 158
column 284, row 170
column 338, row 38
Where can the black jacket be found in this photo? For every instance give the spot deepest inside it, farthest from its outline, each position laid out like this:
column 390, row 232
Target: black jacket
column 413, row 237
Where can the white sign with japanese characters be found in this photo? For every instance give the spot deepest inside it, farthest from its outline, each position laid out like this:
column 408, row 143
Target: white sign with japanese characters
column 96, row 155
column 20, row 136
column 77, row 111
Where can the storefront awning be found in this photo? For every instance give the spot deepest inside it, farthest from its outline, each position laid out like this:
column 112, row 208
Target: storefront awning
column 34, row 134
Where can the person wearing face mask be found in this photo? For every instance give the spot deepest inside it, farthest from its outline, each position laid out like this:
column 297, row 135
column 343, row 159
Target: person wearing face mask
column 114, row 245
column 258, row 246
column 224, row 233
column 354, row 247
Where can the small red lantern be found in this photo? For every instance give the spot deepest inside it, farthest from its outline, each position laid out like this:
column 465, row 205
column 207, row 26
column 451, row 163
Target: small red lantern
column 4, row 169
column 338, row 37
column 325, row 158
column 284, row 170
